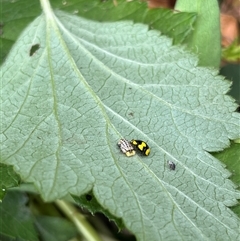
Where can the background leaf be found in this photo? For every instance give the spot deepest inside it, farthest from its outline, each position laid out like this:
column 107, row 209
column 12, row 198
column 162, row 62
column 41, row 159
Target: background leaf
column 206, row 37
column 177, row 25
column 89, row 84
column 55, row 228
column 15, row 219
column 8, row 178
column 232, row 52
column 16, row 15
column 233, row 74
column 231, row 157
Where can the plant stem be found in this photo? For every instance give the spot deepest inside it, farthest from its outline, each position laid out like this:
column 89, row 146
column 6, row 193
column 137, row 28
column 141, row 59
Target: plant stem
column 79, row 220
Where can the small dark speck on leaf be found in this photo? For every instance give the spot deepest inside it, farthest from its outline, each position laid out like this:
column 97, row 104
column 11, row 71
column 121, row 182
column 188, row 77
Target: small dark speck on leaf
column 131, row 114
column 172, row 165
column 33, row 49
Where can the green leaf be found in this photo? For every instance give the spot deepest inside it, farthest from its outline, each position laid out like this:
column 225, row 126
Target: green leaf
column 8, row 179
column 231, row 157
column 14, row 17
column 15, row 219
column 231, row 71
column 177, row 25
column 206, row 38
column 232, row 52
column 89, row 84
column 55, row 228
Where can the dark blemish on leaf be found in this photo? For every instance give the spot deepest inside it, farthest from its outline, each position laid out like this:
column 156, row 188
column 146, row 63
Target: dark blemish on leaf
column 88, row 197
column 131, row 113
column 34, row 48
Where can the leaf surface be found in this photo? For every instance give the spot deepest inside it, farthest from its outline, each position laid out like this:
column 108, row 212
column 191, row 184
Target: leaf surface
column 89, row 84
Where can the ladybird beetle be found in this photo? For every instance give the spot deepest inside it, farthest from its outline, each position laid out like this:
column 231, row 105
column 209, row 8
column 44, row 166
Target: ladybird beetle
column 126, row 147
column 141, row 146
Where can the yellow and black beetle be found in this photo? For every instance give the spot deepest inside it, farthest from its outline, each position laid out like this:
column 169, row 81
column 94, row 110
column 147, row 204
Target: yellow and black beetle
column 142, row 146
